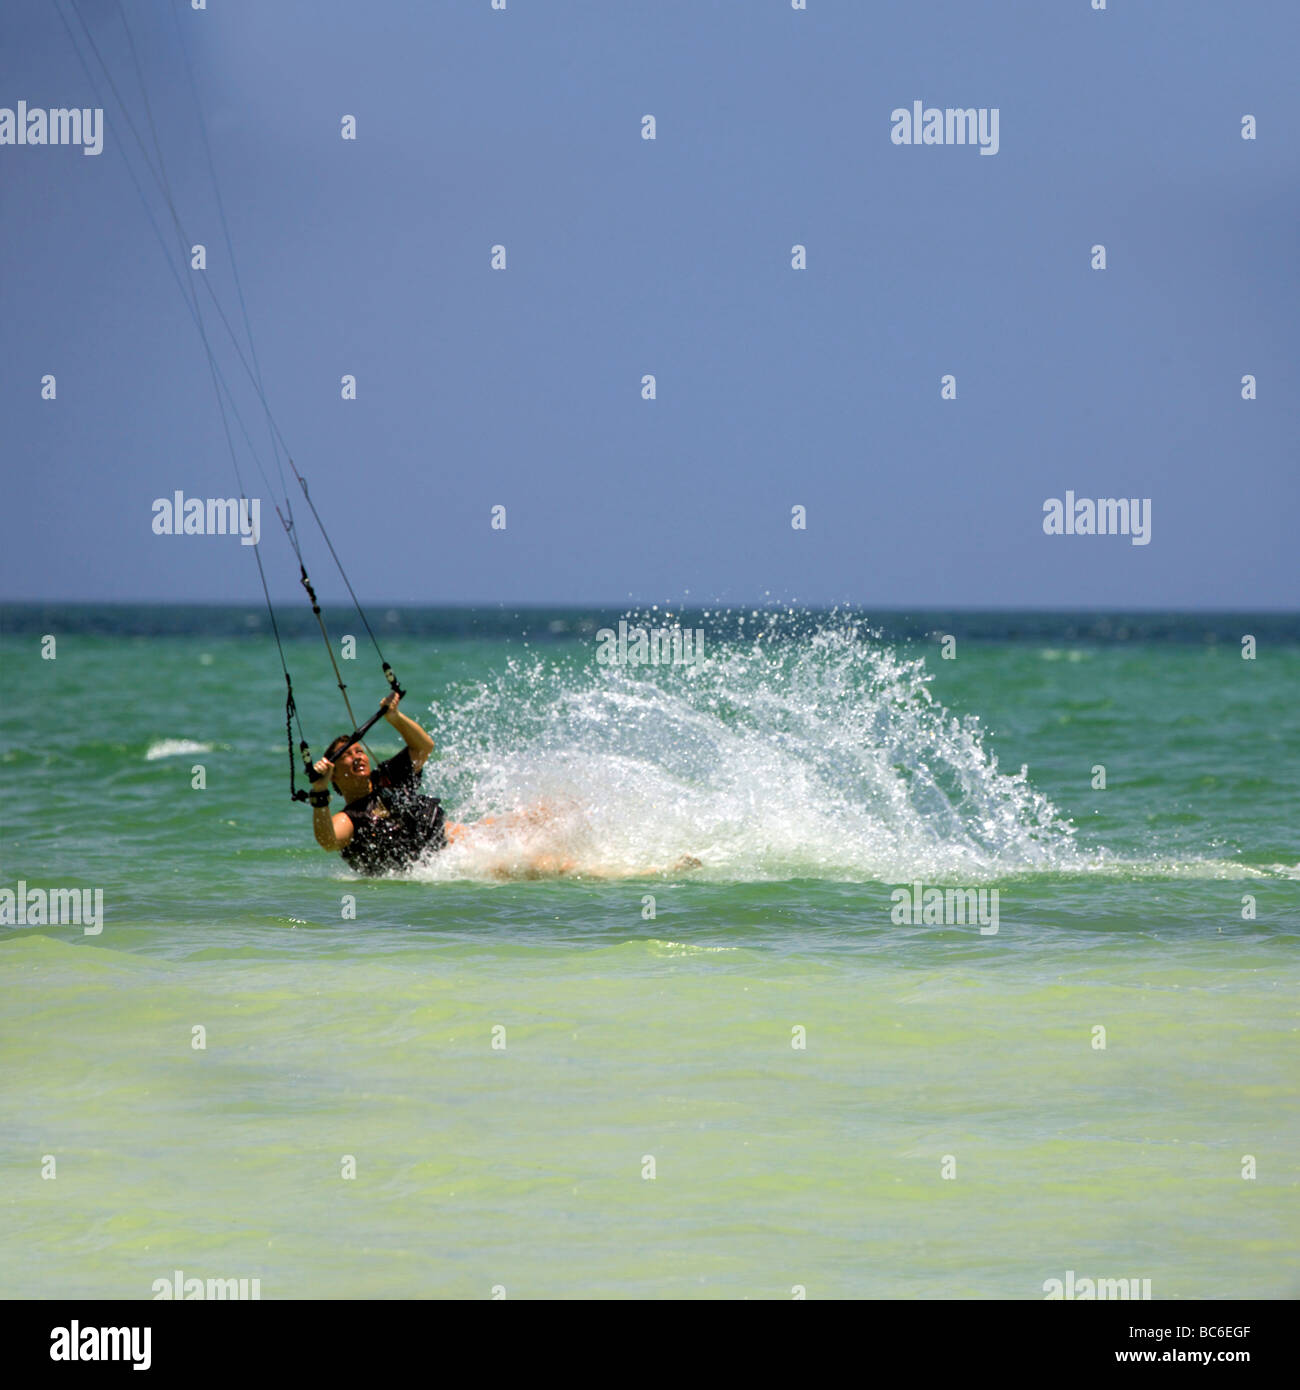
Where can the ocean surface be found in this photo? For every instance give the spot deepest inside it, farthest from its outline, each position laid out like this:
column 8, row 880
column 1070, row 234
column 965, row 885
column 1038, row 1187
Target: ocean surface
column 636, row 1080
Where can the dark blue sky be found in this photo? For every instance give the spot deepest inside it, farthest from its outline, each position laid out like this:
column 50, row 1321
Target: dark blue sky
column 671, row 257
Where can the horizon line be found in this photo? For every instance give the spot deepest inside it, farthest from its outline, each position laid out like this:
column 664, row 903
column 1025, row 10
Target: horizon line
column 537, row 605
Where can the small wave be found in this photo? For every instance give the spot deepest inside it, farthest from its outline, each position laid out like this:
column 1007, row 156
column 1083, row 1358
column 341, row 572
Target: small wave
column 681, row 948
column 175, row 747
column 1060, row 654
column 1120, row 869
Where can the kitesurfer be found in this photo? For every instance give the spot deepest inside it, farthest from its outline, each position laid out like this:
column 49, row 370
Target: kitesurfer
column 386, row 823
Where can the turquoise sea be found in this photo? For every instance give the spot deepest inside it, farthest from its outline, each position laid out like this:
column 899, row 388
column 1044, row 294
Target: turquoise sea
column 593, row 1085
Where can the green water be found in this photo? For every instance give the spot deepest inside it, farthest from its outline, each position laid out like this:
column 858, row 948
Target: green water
column 811, row 773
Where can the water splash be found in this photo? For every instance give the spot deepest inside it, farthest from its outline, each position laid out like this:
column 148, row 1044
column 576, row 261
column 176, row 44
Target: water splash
column 819, row 755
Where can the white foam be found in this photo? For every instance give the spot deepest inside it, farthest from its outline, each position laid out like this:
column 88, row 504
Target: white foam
column 175, row 747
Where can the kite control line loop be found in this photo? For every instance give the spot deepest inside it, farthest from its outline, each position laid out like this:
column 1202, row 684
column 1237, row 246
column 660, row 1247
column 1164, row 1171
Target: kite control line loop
column 305, row 753
column 296, row 793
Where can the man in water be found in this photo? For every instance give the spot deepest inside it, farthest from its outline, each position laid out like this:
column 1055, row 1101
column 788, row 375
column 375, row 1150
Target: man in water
column 385, row 823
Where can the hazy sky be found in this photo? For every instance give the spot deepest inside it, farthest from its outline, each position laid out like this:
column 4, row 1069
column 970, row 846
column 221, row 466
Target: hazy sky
column 775, row 387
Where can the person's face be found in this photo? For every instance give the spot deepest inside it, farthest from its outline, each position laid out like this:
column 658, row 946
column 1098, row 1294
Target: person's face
column 353, row 762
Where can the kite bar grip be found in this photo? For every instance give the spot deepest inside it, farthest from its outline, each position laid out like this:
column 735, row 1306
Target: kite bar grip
column 354, row 737
column 358, row 734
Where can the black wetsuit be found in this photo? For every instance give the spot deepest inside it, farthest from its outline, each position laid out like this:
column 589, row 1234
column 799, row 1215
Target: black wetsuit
column 394, row 825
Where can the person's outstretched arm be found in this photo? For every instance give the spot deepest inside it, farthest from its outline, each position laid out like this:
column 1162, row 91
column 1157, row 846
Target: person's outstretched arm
column 417, row 741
